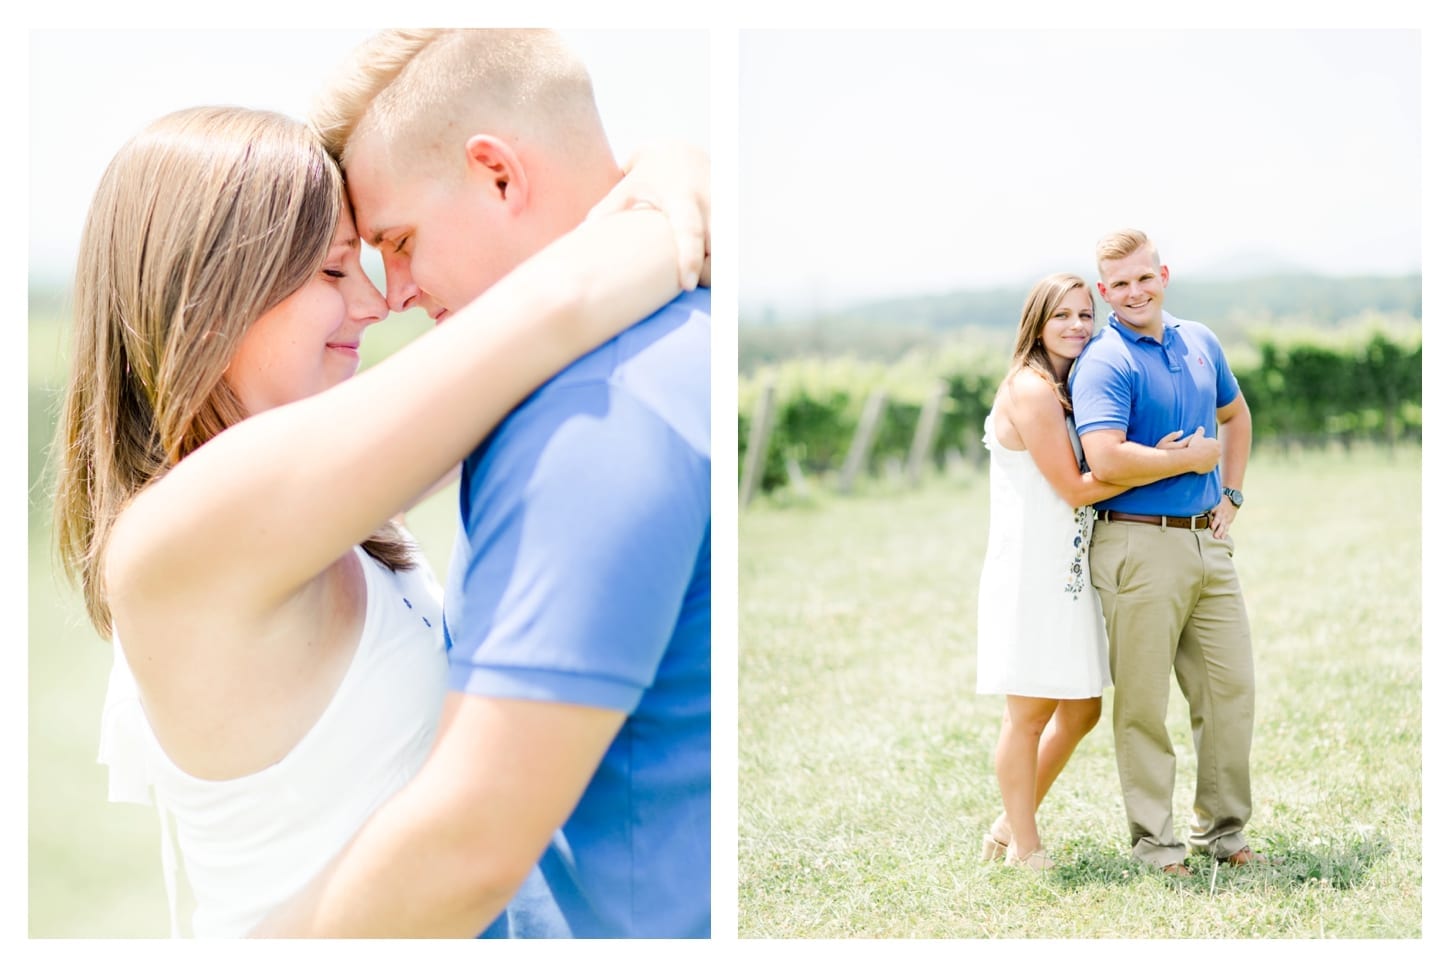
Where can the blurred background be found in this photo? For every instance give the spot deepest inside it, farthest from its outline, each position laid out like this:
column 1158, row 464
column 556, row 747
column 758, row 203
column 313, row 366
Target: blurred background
column 94, row 867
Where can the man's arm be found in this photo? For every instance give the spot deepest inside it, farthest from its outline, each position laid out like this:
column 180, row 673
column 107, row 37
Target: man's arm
column 1102, row 394
column 445, row 855
column 1236, row 431
column 1114, row 459
column 562, row 583
column 1033, row 409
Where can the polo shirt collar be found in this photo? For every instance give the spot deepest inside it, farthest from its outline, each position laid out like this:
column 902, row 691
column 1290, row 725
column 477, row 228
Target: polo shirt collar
column 1133, row 335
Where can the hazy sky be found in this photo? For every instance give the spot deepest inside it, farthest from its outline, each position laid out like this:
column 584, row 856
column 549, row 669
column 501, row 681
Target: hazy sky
column 649, row 84
column 895, row 162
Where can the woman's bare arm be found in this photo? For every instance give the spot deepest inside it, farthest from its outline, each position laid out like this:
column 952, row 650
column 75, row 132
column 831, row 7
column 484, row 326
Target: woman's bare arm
column 1037, row 415
column 268, row 504
column 675, row 177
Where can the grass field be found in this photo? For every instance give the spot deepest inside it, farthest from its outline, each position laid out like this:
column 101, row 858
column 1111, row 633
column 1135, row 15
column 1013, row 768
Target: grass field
column 865, row 755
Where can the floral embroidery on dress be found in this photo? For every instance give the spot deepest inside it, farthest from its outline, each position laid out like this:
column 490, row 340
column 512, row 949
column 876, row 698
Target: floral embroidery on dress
column 1075, row 577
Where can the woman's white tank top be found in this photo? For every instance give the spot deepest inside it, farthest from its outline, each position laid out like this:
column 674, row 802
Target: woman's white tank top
column 247, row 844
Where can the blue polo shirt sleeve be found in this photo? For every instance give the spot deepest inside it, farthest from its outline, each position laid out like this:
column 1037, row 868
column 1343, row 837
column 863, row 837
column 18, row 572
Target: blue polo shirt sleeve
column 1102, row 390
column 581, row 524
column 1227, row 386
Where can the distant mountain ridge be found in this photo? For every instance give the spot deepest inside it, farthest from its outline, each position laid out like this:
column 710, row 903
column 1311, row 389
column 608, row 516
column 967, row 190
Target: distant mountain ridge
column 1299, row 294
column 1234, row 308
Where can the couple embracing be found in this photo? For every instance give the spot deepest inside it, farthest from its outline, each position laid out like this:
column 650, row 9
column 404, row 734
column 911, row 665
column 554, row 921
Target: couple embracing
column 1117, row 469
column 340, row 747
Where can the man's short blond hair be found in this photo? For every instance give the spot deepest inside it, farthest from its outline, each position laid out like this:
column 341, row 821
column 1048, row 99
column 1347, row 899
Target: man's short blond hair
column 1121, row 244
column 414, row 88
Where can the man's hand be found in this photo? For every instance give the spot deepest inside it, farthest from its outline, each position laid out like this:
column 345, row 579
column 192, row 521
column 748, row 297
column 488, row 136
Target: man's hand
column 675, row 178
column 1222, row 516
column 1205, row 450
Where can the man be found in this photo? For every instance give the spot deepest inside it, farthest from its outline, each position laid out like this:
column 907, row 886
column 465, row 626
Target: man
column 1162, row 558
column 576, row 734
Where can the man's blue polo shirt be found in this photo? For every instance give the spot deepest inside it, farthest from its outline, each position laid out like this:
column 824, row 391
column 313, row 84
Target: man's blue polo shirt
column 1125, row 380
column 581, row 575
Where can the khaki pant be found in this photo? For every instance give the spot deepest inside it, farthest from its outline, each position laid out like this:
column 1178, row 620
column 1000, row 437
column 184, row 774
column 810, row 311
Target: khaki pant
column 1172, row 602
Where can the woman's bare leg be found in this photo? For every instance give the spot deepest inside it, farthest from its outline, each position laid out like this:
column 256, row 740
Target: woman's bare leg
column 1073, row 719
column 1017, row 765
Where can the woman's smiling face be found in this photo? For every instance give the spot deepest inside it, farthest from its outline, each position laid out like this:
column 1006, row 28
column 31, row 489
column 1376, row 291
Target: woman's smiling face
column 1068, row 328
column 309, row 341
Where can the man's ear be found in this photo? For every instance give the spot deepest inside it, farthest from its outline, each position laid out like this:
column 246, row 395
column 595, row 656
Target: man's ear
column 495, row 164
column 1163, row 274
column 1102, row 290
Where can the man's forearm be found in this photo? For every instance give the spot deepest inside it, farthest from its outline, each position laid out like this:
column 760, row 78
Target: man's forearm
column 1128, row 464
column 446, row 854
column 408, row 873
column 1236, row 436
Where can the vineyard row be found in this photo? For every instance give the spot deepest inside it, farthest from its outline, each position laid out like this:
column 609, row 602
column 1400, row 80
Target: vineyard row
column 811, row 417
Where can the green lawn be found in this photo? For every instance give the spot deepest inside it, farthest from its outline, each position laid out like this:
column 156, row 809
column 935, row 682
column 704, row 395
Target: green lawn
column 865, row 755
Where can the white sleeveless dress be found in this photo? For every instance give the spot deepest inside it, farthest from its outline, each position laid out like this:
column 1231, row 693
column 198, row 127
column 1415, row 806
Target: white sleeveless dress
column 1040, row 630
column 249, row 843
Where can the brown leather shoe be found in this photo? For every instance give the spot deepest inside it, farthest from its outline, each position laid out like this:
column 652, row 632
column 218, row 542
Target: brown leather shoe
column 1176, row 869
column 1245, row 857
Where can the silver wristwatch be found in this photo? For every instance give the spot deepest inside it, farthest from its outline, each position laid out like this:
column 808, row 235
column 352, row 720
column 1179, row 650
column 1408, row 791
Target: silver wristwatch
column 1235, row 497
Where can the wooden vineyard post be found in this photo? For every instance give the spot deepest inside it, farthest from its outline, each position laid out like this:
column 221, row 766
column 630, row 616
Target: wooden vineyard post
column 759, row 443
column 861, row 443
column 925, row 433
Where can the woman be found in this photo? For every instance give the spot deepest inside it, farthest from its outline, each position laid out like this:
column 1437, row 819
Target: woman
column 1040, row 635
column 226, row 487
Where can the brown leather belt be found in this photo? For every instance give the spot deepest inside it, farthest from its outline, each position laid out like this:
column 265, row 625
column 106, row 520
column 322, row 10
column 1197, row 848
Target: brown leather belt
column 1196, row 523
